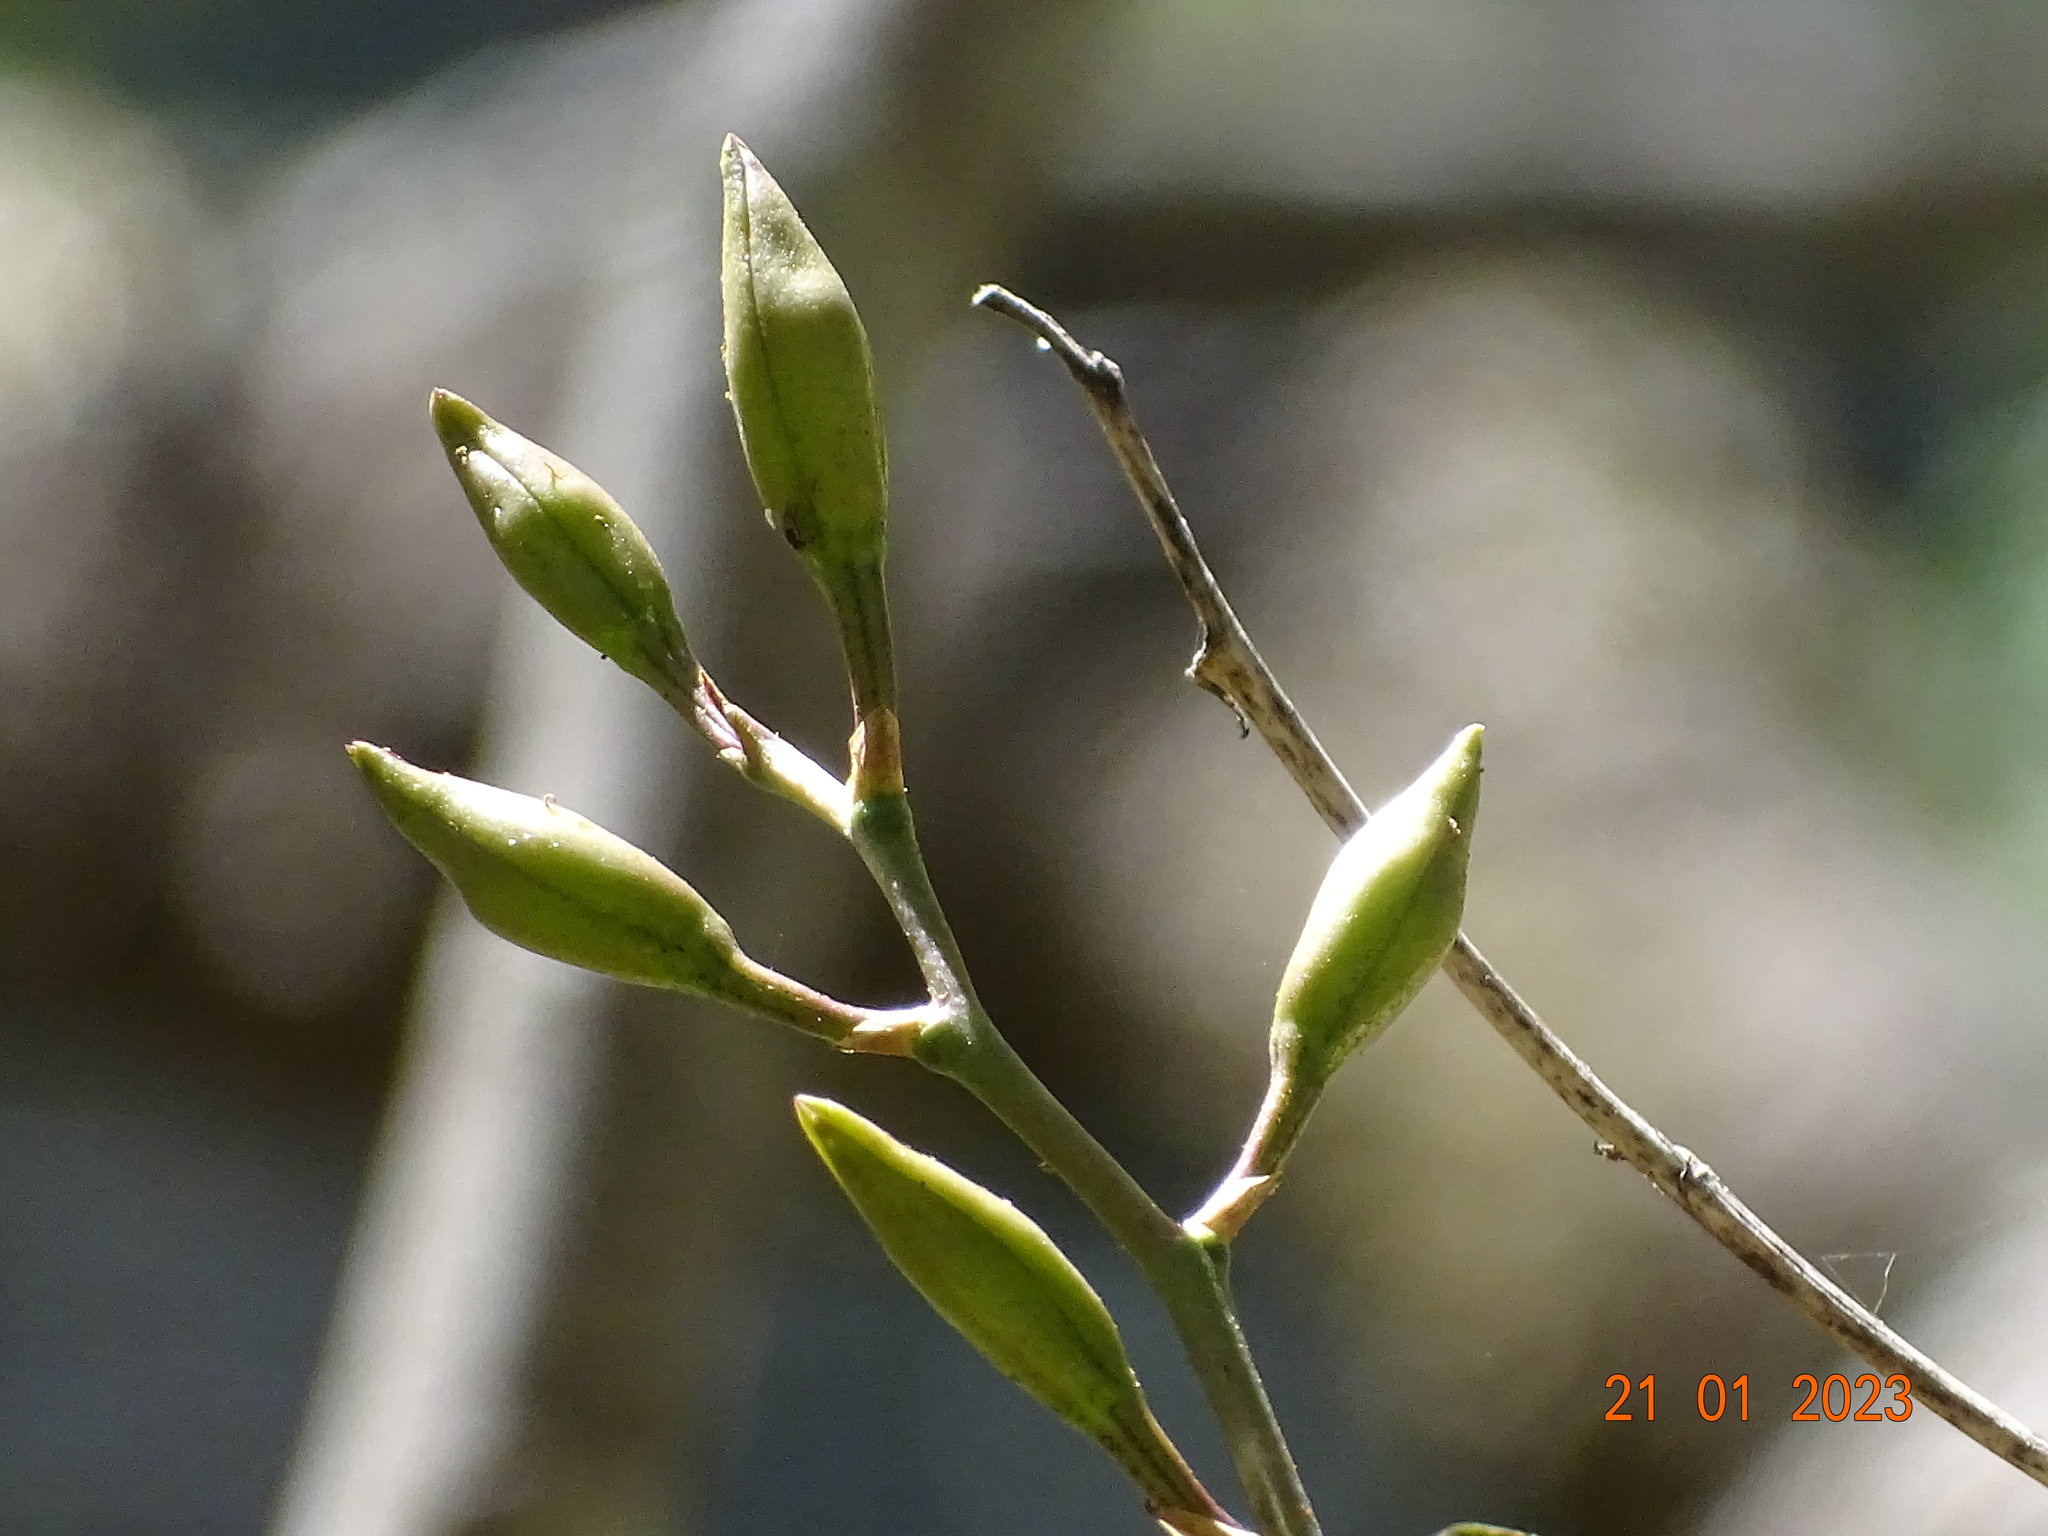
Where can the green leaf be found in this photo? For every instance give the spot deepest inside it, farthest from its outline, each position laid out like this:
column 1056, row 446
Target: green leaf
column 992, row 1273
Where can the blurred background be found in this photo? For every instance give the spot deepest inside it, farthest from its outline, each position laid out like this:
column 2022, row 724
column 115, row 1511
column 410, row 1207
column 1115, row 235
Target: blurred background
column 1663, row 384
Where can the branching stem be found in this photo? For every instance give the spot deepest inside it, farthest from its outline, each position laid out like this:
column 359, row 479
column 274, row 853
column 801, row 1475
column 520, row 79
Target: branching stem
column 1190, row 1277
column 756, row 753
column 1229, row 666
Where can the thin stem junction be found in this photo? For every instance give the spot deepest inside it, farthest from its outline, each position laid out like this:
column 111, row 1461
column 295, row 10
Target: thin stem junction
column 1189, row 1275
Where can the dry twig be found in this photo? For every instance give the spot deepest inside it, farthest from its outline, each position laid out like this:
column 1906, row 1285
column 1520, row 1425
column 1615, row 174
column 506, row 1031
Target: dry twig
column 1229, row 666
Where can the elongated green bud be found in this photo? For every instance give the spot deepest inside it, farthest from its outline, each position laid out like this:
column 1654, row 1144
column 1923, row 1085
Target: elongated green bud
column 992, row 1273
column 803, row 391
column 551, row 881
column 802, row 380
column 555, row 883
column 1386, row 915
column 569, row 545
column 1384, row 918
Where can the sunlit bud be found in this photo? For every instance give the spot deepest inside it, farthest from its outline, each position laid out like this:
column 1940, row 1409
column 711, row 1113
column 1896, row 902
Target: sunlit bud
column 803, row 391
column 1387, row 913
column 568, row 544
column 992, row 1273
column 801, row 378
column 562, row 886
column 1384, row 918
column 553, row 882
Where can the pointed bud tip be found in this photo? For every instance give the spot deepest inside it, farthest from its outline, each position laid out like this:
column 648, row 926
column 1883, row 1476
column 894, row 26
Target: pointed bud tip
column 741, row 170
column 1454, row 776
column 810, row 1109
column 394, row 783
column 831, row 1128
column 749, row 162
column 373, row 760
column 459, row 425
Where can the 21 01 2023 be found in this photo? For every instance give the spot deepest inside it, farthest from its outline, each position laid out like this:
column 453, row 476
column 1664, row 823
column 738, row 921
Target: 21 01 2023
column 1835, row 1399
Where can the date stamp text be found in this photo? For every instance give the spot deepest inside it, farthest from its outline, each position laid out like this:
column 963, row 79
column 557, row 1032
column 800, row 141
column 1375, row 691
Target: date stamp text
column 1865, row 1399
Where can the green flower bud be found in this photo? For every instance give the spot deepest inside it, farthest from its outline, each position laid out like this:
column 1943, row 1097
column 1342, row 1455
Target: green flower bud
column 553, row 882
column 992, row 1273
column 562, row 886
column 1384, row 918
column 569, row 545
column 803, row 391
column 801, row 377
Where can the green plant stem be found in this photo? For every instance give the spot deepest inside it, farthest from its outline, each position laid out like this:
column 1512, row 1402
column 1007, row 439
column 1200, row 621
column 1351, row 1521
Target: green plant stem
column 756, row 753
column 1191, row 1277
column 1255, row 1176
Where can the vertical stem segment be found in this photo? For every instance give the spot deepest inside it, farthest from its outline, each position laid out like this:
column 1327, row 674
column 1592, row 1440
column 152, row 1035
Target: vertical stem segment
column 1190, row 1276
column 1204, row 1312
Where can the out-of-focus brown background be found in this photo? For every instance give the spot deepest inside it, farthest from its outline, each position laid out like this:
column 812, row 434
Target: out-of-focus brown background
column 1663, row 384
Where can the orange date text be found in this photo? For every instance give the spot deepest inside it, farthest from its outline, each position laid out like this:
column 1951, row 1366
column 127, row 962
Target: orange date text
column 1866, row 1399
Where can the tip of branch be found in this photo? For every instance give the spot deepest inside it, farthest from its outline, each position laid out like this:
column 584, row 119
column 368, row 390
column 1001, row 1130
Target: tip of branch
column 1084, row 362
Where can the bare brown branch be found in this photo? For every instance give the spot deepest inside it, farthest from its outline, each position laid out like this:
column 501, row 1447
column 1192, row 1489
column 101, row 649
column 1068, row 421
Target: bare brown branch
column 1229, row 666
